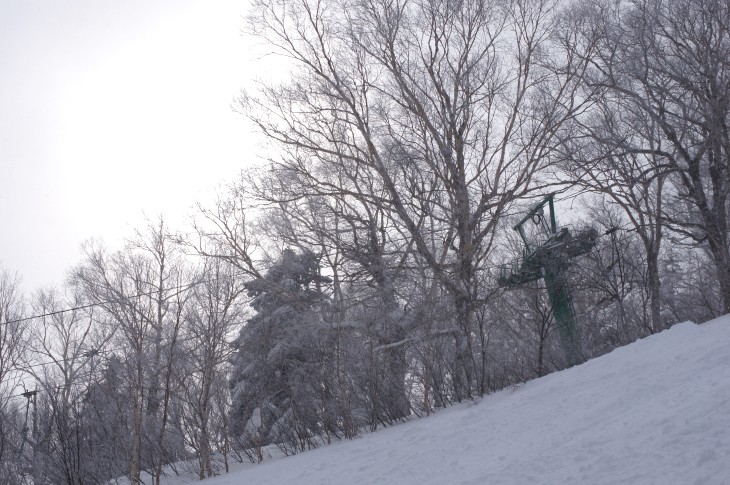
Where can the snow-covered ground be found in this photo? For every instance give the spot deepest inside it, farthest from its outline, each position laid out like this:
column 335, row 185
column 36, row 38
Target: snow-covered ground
column 654, row 412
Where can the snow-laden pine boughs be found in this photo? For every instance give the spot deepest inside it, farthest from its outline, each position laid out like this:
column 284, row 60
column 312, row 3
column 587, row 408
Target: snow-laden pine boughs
column 274, row 347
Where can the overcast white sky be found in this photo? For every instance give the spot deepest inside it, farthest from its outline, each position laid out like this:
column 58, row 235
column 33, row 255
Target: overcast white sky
column 110, row 108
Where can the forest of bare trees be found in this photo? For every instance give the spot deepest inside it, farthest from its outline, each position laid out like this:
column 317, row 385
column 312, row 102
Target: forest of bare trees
column 356, row 278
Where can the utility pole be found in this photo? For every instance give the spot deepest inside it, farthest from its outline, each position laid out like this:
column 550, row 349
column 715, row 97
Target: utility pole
column 548, row 254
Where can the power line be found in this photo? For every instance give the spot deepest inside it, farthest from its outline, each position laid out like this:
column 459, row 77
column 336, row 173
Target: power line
column 121, row 299
column 93, row 352
column 88, row 354
column 195, row 283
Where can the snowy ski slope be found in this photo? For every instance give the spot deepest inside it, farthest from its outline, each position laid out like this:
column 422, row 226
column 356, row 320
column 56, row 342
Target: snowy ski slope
column 653, row 412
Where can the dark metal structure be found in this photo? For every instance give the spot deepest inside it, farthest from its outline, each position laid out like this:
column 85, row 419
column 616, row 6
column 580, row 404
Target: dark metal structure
column 548, row 253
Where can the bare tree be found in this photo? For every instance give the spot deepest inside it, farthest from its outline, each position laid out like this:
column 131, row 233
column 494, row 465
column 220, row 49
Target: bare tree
column 614, row 151
column 224, row 232
column 64, row 343
column 425, row 105
column 13, row 344
column 215, row 313
column 669, row 62
column 12, row 334
column 143, row 290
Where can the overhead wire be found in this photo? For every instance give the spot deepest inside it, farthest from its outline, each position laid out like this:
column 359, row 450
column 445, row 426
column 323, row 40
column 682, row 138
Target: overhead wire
column 96, row 351
column 121, row 299
column 188, row 286
column 88, row 354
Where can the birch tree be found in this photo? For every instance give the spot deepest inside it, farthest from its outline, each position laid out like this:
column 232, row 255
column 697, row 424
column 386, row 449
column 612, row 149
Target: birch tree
column 437, row 105
column 143, row 290
column 216, row 312
column 65, row 342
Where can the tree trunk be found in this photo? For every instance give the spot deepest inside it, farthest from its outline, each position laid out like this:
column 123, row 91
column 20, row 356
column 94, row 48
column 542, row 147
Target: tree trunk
column 463, row 375
column 134, row 459
column 652, row 263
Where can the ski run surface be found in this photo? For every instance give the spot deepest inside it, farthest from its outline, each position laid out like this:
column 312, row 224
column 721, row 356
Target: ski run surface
column 654, row 412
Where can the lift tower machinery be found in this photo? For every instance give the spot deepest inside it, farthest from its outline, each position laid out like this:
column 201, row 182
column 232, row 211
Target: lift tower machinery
column 548, row 254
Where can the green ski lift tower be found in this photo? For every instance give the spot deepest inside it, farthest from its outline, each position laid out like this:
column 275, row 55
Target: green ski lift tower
column 548, row 254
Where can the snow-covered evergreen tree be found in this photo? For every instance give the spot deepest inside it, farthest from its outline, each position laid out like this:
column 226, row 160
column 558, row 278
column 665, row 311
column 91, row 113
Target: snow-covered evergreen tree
column 270, row 392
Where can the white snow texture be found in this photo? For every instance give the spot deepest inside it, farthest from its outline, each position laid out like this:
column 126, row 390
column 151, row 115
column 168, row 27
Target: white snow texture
column 654, row 412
